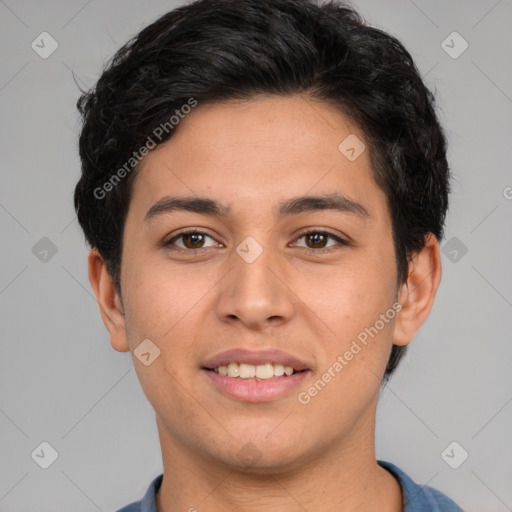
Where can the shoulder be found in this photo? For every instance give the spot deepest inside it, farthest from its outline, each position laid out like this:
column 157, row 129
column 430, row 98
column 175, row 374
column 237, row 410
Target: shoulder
column 148, row 501
column 417, row 498
column 420, row 498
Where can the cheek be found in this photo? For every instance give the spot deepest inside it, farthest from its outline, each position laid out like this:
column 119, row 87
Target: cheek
column 349, row 297
column 160, row 297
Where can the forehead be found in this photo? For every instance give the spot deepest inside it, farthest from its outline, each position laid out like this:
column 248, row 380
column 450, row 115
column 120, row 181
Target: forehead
column 288, row 128
column 247, row 151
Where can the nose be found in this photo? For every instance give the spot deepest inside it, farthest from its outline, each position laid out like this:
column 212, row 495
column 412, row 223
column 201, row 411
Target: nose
column 256, row 293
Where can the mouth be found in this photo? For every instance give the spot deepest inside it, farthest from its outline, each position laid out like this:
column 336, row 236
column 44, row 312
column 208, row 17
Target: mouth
column 246, row 371
column 250, row 376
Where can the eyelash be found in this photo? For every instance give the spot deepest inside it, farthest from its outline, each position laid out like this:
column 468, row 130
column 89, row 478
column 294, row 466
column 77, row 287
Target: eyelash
column 341, row 242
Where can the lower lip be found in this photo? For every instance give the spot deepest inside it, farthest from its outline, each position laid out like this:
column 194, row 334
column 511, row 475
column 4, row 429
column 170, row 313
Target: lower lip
column 249, row 390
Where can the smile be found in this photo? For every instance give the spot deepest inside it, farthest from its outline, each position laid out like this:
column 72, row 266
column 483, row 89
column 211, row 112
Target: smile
column 251, row 371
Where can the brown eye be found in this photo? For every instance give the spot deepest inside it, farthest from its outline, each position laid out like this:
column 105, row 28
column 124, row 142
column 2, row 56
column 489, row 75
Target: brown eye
column 320, row 240
column 189, row 240
column 316, row 240
column 193, row 241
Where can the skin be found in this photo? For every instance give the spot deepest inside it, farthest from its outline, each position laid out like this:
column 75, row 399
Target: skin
column 251, row 156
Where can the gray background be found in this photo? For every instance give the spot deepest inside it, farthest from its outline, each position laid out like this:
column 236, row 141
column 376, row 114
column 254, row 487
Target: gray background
column 61, row 382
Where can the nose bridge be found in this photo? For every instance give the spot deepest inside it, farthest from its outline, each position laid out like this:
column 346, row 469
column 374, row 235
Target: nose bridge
column 252, row 292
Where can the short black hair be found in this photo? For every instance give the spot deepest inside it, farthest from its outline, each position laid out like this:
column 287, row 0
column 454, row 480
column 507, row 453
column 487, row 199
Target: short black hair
column 213, row 50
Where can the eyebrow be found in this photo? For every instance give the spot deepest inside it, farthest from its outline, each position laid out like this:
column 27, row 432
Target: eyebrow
column 206, row 206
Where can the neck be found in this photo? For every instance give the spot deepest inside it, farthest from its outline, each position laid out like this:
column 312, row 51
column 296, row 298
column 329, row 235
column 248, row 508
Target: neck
column 346, row 478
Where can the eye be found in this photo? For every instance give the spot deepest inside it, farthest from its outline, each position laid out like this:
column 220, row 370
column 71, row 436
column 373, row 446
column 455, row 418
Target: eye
column 316, row 241
column 190, row 240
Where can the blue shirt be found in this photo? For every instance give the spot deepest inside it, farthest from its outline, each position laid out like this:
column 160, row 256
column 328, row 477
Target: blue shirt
column 417, row 498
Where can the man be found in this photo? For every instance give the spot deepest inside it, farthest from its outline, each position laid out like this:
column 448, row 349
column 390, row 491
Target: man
column 264, row 187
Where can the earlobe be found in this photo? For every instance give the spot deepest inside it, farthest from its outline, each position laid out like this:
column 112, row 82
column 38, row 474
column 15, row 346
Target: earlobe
column 418, row 292
column 111, row 308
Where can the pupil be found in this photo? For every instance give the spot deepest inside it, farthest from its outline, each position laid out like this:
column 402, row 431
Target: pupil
column 195, row 238
column 317, row 238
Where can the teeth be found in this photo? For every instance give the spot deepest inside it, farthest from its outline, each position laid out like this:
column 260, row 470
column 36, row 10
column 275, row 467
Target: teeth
column 233, row 370
column 265, row 371
column 251, row 371
column 247, row 371
column 279, row 370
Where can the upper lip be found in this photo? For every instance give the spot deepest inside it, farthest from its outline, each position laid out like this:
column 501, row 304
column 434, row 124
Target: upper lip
column 255, row 357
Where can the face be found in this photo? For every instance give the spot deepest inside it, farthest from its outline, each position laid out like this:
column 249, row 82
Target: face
column 267, row 270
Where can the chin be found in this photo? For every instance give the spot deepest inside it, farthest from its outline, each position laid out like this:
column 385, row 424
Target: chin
column 265, row 455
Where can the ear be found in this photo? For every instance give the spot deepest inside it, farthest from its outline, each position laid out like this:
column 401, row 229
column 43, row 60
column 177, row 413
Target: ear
column 108, row 299
column 417, row 294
